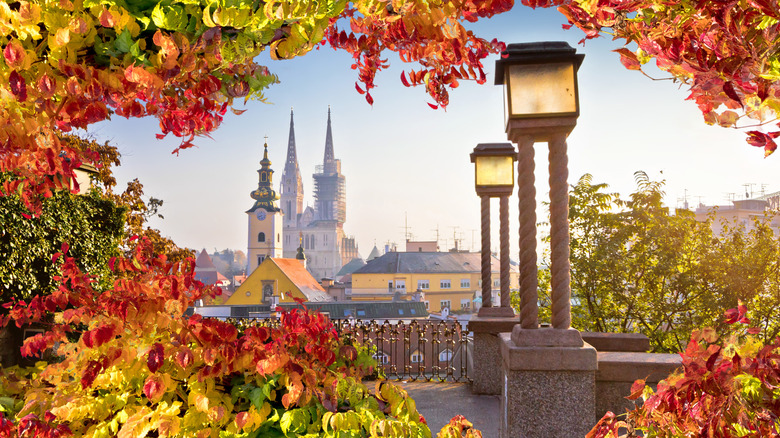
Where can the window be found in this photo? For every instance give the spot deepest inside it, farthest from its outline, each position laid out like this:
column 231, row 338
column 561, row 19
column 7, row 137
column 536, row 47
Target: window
column 423, row 284
column 496, row 283
column 465, row 304
column 445, row 304
column 427, row 305
column 416, row 357
column 263, row 176
column 381, row 357
column 260, row 259
column 444, row 284
column 278, row 238
column 261, row 237
column 400, row 285
column 465, row 283
column 445, row 356
column 389, row 285
column 400, row 311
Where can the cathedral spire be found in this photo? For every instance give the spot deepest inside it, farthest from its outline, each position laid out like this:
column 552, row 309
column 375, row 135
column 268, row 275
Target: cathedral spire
column 329, row 156
column 292, row 155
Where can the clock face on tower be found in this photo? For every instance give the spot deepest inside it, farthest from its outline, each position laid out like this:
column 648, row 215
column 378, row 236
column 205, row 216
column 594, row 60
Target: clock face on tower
column 260, row 214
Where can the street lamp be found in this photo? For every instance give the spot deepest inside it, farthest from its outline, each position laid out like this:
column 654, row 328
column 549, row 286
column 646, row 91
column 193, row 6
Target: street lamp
column 494, row 176
column 540, row 82
column 541, row 104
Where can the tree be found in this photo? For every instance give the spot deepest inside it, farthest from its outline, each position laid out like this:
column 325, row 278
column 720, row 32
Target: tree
column 637, row 268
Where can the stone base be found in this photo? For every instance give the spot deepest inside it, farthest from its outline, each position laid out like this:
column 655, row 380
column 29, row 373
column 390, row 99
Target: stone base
column 493, row 312
column 548, row 391
column 486, row 372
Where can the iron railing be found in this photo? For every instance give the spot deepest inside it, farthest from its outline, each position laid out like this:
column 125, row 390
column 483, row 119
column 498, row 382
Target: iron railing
column 417, row 350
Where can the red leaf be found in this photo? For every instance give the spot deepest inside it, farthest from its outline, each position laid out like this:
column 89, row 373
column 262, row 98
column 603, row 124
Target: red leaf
column 433, row 106
column 154, row 388
column 18, row 86
column 184, row 357
column 156, row 357
column 99, row 336
column 757, row 138
column 628, row 59
column 728, row 88
column 107, row 19
column 369, row 99
column 359, row 90
column 64, row 247
column 14, row 54
column 403, row 79
column 90, row 373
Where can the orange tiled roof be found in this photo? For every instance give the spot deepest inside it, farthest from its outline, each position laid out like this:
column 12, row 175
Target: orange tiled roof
column 297, row 273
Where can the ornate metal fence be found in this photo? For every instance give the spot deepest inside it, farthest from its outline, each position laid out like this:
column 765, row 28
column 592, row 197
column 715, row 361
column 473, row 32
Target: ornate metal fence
column 433, row 351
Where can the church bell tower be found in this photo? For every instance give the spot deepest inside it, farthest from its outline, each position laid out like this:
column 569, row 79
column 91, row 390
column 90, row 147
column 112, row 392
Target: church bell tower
column 265, row 218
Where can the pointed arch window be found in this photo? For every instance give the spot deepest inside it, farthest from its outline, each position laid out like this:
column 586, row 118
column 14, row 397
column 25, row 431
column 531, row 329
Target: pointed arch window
column 261, row 237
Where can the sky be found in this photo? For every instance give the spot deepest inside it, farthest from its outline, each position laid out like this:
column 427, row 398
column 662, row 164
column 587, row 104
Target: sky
column 407, row 166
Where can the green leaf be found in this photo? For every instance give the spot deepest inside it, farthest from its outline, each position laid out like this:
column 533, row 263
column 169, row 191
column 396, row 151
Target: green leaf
column 124, row 42
column 295, row 421
column 173, row 17
column 258, row 396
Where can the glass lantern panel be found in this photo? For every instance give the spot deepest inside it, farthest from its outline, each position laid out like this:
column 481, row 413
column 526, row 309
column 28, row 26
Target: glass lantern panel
column 494, row 171
column 541, row 89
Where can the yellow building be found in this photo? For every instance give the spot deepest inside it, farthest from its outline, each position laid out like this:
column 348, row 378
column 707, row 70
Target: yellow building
column 441, row 279
column 278, row 280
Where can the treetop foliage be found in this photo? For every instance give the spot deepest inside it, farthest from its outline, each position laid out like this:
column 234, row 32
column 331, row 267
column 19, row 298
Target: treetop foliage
column 69, row 64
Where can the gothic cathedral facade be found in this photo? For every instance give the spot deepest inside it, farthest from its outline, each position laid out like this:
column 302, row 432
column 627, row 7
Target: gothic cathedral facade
column 265, row 219
column 319, row 230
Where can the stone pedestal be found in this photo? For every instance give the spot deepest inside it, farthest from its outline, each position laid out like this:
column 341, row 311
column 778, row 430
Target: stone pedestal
column 549, row 383
column 487, row 373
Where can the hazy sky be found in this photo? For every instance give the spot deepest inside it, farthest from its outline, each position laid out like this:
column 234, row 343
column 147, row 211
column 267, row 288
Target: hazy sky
column 406, row 162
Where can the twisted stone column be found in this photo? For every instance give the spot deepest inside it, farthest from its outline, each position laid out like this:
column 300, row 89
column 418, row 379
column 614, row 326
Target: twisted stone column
column 503, row 213
column 487, row 300
column 559, row 233
column 527, row 208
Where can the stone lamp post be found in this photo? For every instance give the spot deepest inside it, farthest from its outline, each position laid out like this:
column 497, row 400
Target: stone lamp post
column 549, row 373
column 494, row 176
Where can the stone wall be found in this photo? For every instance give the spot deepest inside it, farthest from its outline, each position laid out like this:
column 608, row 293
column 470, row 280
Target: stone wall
column 622, row 361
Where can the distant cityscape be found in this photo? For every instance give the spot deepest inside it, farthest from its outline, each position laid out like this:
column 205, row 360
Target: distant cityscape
column 303, row 252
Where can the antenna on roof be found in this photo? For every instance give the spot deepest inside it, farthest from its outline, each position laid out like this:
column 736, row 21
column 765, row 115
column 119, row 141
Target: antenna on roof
column 748, row 190
column 407, row 233
column 684, row 200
